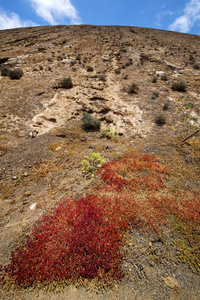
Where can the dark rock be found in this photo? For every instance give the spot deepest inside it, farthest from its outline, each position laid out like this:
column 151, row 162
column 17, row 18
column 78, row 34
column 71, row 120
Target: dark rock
column 33, row 133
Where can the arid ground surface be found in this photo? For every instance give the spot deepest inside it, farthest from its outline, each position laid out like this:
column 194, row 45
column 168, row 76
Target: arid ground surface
column 37, row 172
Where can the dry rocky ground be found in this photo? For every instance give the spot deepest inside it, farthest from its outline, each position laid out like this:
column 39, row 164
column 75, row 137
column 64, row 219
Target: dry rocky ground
column 38, row 171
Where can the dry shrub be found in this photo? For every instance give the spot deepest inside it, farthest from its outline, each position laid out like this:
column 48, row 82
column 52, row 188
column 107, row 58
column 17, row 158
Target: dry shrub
column 133, row 89
column 66, row 83
column 179, row 86
column 16, row 73
column 90, row 123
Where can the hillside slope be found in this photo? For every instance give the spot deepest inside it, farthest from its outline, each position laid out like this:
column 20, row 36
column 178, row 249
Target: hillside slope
column 126, row 77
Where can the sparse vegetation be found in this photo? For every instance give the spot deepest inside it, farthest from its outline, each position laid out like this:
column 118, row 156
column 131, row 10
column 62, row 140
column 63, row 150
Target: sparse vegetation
column 5, row 71
column 63, row 42
column 16, row 73
column 196, row 66
column 66, row 83
column 133, row 89
column 108, row 133
column 78, row 57
column 90, row 123
column 191, row 59
column 154, row 80
column 102, row 77
column 179, row 86
column 155, row 95
column 59, row 58
column 160, row 119
column 117, row 70
column 90, row 69
column 164, row 77
column 166, row 105
column 133, row 216
column 91, row 162
column 81, row 239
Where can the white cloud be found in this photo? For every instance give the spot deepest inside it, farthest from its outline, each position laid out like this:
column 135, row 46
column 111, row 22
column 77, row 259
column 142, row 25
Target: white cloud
column 162, row 14
column 54, row 11
column 12, row 20
column 191, row 14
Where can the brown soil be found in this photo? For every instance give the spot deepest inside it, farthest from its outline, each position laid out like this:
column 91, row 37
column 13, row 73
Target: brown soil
column 45, row 169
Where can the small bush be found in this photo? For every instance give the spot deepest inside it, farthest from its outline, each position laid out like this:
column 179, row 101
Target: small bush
column 160, row 120
column 91, row 162
column 63, row 42
column 133, row 89
column 196, row 66
column 5, row 71
column 154, row 95
column 191, row 59
column 166, row 105
column 90, row 123
column 164, row 77
column 59, row 58
column 16, row 73
column 129, row 63
column 78, row 57
column 108, row 133
column 154, row 80
column 90, row 69
column 117, row 70
column 179, row 86
column 66, row 83
column 102, row 78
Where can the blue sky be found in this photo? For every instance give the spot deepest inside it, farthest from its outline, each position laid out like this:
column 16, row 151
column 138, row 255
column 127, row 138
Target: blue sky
column 176, row 15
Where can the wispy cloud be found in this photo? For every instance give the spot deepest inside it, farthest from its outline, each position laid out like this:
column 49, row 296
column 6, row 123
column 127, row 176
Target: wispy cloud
column 12, row 20
column 162, row 14
column 190, row 15
column 55, row 11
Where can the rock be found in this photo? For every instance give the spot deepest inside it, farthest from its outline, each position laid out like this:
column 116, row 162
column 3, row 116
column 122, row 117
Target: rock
column 91, row 147
column 160, row 73
column 33, row 133
column 83, row 139
column 25, row 201
column 109, row 119
column 58, row 149
column 106, row 148
column 172, row 283
column 27, row 194
column 14, row 178
column 105, row 58
column 61, row 134
column 174, row 67
column 33, row 206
